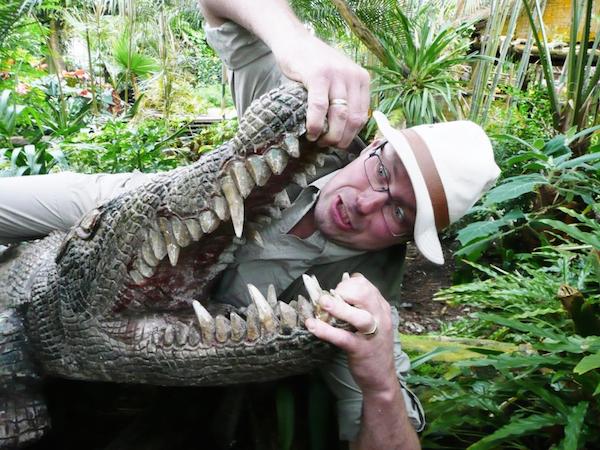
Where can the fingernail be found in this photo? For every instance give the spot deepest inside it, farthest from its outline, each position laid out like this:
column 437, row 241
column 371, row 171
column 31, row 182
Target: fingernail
column 311, row 137
column 310, row 325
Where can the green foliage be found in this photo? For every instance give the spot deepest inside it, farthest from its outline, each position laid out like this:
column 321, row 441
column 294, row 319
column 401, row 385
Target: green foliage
column 210, row 137
column 11, row 11
column 421, row 75
column 553, row 185
column 28, row 160
column 122, row 147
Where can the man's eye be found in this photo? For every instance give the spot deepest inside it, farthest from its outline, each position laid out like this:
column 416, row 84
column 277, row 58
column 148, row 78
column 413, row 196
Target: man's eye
column 381, row 172
column 399, row 214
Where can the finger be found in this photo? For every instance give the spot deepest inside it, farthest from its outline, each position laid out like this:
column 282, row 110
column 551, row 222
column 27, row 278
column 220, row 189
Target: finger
column 340, row 338
column 336, row 116
column 335, row 305
column 358, row 107
column 318, row 104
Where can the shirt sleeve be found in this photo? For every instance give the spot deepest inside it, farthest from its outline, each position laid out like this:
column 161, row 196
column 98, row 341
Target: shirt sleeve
column 338, row 377
column 251, row 65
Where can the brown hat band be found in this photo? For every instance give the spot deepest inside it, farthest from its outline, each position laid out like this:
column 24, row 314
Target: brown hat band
column 431, row 177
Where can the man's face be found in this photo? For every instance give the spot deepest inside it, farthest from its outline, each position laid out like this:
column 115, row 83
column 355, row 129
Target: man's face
column 350, row 212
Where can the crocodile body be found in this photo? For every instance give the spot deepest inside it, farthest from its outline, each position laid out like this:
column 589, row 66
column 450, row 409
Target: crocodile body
column 112, row 299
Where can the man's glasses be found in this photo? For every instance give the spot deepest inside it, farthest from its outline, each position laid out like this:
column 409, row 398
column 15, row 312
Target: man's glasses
column 379, row 178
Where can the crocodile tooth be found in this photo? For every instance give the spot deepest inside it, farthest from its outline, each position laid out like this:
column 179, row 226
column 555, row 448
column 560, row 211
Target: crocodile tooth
column 254, row 234
column 282, row 199
column 193, row 337
column 223, row 329
column 206, row 322
column 272, row 295
column 252, row 323
column 194, row 228
column 265, row 312
column 220, row 207
column 320, row 160
column 148, row 255
column 180, row 232
column 345, row 276
column 169, row 336
column 291, row 144
column 172, row 247
column 181, row 333
column 236, row 204
column 313, row 288
column 300, row 179
column 242, row 178
column 209, row 221
column 157, row 242
column 238, row 327
column 288, row 315
column 259, row 170
column 143, row 268
column 137, row 277
column 305, row 310
column 277, row 159
column 310, row 170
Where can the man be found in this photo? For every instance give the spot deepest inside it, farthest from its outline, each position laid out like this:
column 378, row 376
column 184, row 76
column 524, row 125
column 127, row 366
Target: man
column 372, row 203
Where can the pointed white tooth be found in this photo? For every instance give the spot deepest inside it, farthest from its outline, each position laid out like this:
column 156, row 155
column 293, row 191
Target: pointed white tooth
column 209, row 221
column 169, row 336
column 172, row 247
column 259, row 170
column 252, row 323
column 157, row 242
column 291, row 144
column 181, row 233
column 277, row 159
column 143, row 268
column 282, row 200
column 220, row 207
column 181, row 334
column 312, row 287
column 254, row 234
column 310, row 170
column 288, row 315
column 137, row 277
column 300, row 179
column 345, row 276
column 305, row 310
column 222, row 329
column 272, row 295
column 148, row 254
column 265, row 312
column 194, row 228
column 242, row 178
column 238, row 327
column 236, row 204
column 205, row 321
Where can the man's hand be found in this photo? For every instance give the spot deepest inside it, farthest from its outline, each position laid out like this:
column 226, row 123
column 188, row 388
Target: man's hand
column 370, row 357
column 338, row 89
column 384, row 422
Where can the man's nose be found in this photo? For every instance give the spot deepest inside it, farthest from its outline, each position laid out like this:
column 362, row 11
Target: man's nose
column 370, row 201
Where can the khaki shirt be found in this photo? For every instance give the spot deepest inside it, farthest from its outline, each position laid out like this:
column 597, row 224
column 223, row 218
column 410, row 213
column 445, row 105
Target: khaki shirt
column 284, row 258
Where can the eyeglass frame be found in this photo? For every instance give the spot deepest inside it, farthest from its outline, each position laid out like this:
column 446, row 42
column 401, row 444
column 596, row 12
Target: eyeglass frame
column 391, row 201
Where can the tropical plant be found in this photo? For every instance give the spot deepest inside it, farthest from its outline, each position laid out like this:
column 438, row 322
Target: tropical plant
column 29, row 160
column 10, row 112
column 422, row 68
column 579, row 107
column 552, row 184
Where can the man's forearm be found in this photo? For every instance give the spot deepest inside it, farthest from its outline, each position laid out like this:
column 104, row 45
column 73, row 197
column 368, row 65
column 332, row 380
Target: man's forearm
column 385, row 424
column 273, row 21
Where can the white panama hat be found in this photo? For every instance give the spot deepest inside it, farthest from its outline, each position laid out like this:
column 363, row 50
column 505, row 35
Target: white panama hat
column 450, row 165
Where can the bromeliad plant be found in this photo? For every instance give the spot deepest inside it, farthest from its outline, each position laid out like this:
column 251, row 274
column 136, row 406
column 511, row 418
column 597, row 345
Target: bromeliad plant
column 423, row 63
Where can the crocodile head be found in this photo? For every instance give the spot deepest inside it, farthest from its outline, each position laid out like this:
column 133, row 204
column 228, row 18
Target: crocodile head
column 130, row 271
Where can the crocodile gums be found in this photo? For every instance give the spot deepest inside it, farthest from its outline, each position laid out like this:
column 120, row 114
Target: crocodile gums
column 124, row 296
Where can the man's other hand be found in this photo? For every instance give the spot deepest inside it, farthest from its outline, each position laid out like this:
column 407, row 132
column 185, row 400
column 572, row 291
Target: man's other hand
column 338, row 89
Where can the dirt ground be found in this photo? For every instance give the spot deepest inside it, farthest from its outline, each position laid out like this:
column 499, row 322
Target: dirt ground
column 419, row 313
